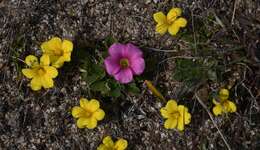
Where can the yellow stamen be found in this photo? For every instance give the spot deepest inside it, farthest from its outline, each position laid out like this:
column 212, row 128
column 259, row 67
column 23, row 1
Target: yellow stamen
column 124, row 63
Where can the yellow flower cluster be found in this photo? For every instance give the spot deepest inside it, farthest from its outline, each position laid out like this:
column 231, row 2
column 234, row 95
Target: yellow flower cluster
column 172, row 22
column 223, row 105
column 55, row 53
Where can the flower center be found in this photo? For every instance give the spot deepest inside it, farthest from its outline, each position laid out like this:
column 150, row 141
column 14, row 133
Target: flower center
column 124, row 63
column 58, row 52
column 175, row 114
column 41, row 71
column 87, row 114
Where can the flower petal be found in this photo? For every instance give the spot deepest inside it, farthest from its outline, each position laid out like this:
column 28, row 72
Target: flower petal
column 66, row 57
column 51, row 71
column 171, row 106
column 217, row 110
column 31, row 60
column 124, row 76
column 67, row 46
column 159, row 17
column 99, row 114
column 91, row 123
column 47, row 81
column 131, row 52
column 45, row 60
column 164, row 112
column 112, row 65
column 173, row 14
column 36, row 83
column 174, row 29
column 223, row 94
column 232, row 106
column 102, row 147
column 107, row 141
column 29, row 73
column 82, row 122
column 83, row 102
column 181, row 22
column 180, row 125
column 92, row 105
column 59, row 63
column 121, row 144
column 116, row 49
column 55, row 43
column 161, row 28
column 77, row 112
column 170, row 123
column 137, row 65
column 187, row 116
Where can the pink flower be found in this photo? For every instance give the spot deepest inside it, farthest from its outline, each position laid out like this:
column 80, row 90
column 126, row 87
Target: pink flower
column 124, row 62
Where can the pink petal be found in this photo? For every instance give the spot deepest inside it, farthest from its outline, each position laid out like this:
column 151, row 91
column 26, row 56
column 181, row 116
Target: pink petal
column 131, row 51
column 137, row 65
column 112, row 66
column 116, row 49
column 124, row 76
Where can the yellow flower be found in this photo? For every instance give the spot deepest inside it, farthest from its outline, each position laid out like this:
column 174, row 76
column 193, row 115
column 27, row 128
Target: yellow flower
column 108, row 144
column 177, row 115
column 58, row 50
column 223, row 105
column 41, row 73
column 88, row 113
column 171, row 23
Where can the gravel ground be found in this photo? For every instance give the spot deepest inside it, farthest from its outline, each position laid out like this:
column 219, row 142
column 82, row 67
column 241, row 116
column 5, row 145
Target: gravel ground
column 41, row 120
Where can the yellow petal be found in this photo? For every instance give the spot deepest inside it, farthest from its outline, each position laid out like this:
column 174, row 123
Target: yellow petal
column 47, row 81
column 171, row 106
column 217, row 110
column 59, row 63
column 92, row 105
column 91, row 123
column 184, row 114
column 173, row 29
column 46, row 49
column 83, row 102
column 66, row 57
column 51, row 71
column 121, row 144
column 45, row 60
column 215, row 102
column 161, row 28
column 77, row 112
column 173, row 14
column 223, row 94
column 82, row 122
column 102, row 147
column 164, row 112
column 232, row 107
column 99, row 114
column 159, row 17
column 107, row 141
column 36, row 83
column 31, row 61
column 29, row 73
column 55, row 43
column 170, row 123
column 67, row 46
column 181, row 22
column 180, row 125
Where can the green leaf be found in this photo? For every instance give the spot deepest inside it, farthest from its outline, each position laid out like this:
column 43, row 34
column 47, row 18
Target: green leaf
column 100, row 86
column 116, row 92
column 133, row 88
